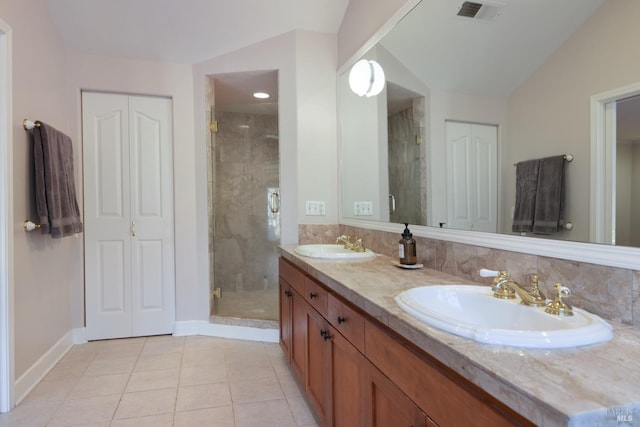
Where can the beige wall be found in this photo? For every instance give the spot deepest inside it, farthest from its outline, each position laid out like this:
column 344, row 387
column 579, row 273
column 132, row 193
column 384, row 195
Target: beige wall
column 44, row 269
column 550, row 114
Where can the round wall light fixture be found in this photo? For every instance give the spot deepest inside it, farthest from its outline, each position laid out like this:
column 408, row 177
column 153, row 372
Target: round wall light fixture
column 261, row 95
column 366, row 78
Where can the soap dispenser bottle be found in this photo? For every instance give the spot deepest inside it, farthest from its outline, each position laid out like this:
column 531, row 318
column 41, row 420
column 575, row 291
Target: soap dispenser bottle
column 407, row 247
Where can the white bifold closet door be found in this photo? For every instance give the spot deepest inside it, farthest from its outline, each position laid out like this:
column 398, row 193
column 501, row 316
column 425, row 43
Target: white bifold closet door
column 128, row 212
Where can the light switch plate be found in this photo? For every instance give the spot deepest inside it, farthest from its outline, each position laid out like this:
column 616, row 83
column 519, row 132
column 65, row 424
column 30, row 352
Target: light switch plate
column 363, row 208
column 314, row 207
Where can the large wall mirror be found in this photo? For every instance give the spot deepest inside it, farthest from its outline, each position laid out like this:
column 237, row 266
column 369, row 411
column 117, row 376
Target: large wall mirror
column 524, row 74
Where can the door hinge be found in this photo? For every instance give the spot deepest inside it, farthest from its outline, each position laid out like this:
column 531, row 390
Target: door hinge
column 213, row 126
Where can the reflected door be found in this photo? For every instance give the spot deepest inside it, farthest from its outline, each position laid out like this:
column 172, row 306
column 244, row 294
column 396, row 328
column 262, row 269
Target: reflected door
column 472, row 176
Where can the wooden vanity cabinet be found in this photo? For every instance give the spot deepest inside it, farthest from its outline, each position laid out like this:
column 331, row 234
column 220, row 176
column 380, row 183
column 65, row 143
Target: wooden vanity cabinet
column 356, row 372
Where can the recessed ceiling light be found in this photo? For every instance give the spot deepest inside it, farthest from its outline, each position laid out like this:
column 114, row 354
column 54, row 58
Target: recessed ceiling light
column 261, row 95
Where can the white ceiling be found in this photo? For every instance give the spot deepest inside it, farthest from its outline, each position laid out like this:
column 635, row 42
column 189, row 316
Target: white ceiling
column 185, row 31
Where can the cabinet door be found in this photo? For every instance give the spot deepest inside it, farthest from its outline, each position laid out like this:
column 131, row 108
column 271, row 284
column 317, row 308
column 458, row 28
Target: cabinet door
column 298, row 334
column 347, row 374
column 317, row 384
column 387, row 406
column 285, row 318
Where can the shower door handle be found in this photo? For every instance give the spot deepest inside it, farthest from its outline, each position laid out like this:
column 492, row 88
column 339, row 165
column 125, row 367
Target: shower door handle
column 392, row 203
column 274, row 202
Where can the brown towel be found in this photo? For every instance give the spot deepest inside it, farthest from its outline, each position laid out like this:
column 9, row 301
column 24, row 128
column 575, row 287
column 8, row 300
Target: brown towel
column 549, row 213
column 526, row 185
column 55, row 187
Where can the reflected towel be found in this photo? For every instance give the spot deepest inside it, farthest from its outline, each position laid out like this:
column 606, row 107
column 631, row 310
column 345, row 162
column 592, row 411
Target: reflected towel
column 526, row 186
column 55, row 188
column 549, row 212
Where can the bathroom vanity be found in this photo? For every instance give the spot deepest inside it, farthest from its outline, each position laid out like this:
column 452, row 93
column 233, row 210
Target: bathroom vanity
column 362, row 361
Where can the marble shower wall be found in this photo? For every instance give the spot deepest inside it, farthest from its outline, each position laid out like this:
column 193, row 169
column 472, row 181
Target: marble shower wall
column 245, row 236
column 610, row 292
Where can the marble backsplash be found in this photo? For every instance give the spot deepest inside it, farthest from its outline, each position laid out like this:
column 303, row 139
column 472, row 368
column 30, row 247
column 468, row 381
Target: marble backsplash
column 610, row 292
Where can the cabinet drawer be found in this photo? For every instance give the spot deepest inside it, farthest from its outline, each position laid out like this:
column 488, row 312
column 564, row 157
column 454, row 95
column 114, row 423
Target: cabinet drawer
column 316, row 295
column 444, row 396
column 347, row 321
column 292, row 275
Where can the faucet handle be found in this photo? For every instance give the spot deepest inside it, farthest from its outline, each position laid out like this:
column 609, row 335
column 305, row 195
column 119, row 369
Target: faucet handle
column 490, row 273
column 358, row 246
column 558, row 306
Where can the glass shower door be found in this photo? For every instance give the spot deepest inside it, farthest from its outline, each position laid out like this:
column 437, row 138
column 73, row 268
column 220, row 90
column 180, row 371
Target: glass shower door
column 246, row 225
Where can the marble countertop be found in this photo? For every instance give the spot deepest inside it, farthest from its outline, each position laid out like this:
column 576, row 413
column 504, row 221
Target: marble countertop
column 590, row 385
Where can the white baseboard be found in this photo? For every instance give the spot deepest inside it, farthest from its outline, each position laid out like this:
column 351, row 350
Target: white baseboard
column 38, row 370
column 79, row 335
column 200, row 327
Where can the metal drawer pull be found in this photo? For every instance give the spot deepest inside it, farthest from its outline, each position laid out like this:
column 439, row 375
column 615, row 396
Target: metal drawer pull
column 341, row 319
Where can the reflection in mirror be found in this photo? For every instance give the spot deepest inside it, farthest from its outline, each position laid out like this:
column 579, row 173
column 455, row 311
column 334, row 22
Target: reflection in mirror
column 521, row 68
column 406, row 154
column 628, row 172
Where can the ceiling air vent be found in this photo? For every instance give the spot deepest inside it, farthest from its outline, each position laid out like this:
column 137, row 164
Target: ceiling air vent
column 487, row 11
column 469, row 9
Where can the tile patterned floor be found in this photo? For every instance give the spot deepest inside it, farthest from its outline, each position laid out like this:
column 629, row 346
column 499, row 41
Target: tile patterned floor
column 166, row 381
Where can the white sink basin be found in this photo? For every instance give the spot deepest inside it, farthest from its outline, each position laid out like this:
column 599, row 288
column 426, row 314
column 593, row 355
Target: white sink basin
column 332, row 252
column 473, row 312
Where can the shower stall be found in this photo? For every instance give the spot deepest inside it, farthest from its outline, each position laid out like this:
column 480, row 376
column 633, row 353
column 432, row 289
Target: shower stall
column 244, row 204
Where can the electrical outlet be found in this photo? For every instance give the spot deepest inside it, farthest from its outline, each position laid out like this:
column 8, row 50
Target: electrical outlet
column 314, row 207
column 363, row 208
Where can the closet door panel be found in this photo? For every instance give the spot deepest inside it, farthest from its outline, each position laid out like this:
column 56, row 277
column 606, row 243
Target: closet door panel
column 151, row 152
column 106, row 216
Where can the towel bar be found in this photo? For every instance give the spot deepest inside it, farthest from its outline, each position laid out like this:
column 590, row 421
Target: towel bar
column 30, row 226
column 567, row 157
column 29, row 124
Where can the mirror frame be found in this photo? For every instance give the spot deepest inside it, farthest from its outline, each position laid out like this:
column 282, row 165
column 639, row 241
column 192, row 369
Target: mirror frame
column 593, row 253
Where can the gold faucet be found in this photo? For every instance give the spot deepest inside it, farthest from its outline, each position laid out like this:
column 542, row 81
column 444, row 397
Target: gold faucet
column 346, row 240
column 358, row 246
column 505, row 287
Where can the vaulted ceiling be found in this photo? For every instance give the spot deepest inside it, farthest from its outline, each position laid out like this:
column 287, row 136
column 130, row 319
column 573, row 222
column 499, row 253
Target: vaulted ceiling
column 185, row 31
